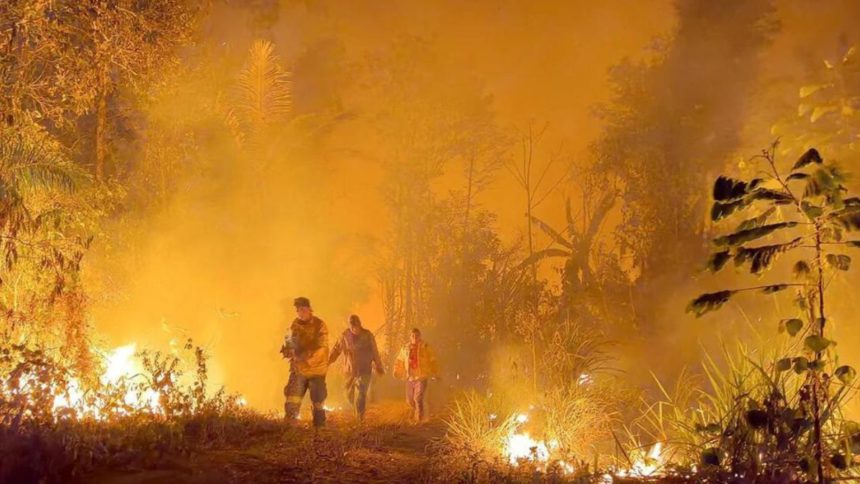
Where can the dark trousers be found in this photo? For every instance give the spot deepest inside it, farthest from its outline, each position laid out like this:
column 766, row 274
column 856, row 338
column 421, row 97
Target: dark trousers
column 295, row 390
column 356, row 393
column 415, row 391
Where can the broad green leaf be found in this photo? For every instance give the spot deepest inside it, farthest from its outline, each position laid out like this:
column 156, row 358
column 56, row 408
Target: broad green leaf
column 722, row 210
column 757, row 221
column 839, row 262
column 783, row 364
column 823, row 182
column 848, row 218
column 792, row 326
column 762, row 258
column 748, row 235
column 816, row 343
column 709, row 302
column 801, row 269
column 817, row 365
column 728, row 189
column 718, row 260
column 831, row 233
column 800, row 364
column 810, row 156
column 811, row 210
column 778, row 197
column 845, row 373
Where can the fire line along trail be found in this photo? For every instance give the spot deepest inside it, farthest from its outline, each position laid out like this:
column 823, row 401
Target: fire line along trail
column 429, row 241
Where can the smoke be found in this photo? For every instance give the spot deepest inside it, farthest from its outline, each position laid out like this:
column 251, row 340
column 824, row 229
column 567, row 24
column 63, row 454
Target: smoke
column 227, row 216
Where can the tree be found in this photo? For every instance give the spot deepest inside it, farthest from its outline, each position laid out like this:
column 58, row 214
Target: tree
column 826, row 109
column 425, row 126
column 808, row 213
column 67, row 58
column 673, row 116
column 263, row 95
column 45, row 221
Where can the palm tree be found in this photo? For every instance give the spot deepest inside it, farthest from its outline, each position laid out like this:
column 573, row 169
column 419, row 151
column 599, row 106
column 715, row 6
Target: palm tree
column 263, row 95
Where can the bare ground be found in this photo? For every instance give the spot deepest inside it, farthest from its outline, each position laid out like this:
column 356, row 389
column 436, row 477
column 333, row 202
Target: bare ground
column 385, row 448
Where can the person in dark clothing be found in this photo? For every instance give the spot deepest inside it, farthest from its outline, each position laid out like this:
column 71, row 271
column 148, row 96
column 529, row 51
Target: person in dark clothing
column 307, row 349
column 360, row 355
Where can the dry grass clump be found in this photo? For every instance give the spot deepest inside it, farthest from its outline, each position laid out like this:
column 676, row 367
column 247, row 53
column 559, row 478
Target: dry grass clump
column 480, row 424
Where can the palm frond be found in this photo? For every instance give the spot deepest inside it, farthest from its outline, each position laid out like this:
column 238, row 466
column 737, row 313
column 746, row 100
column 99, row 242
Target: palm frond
column 264, row 87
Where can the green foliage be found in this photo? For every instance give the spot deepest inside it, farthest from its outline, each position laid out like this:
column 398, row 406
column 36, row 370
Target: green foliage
column 762, row 258
column 709, row 302
column 728, row 189
column 794, row 419
column 816, row 343
column 751, row 234
column 791, row 326
column 839, row 262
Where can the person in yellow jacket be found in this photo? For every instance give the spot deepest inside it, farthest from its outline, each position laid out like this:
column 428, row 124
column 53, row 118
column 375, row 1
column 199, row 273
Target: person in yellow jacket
column 416, row 364
column 307, row 349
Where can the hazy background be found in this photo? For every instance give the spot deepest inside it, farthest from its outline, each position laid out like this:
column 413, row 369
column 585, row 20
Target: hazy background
column 219, row 234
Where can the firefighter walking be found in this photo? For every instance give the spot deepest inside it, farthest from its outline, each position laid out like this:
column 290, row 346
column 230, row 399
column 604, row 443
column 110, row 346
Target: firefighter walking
column 307, row 349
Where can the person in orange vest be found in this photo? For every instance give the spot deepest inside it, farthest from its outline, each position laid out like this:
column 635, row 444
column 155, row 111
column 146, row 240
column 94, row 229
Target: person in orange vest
column 360, row 355
column 416, row 364
column 307, row 349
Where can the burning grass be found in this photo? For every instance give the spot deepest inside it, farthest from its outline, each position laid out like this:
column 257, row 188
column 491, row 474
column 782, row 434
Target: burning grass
column 557, row 437
column 143, row 408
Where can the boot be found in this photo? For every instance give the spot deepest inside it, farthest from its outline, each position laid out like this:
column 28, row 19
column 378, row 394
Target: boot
column 319, row 417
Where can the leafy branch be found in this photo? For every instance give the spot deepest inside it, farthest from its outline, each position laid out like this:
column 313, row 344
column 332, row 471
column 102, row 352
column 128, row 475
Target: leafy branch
column 807, row 209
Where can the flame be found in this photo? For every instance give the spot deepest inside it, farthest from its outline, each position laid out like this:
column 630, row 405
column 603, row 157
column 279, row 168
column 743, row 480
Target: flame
column 120, row 366
column 522, row 446
column 649, row 465
column 519, row 446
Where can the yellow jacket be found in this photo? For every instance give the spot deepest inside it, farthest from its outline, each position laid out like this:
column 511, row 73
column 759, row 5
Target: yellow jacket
column 309, row 347
column 427, row 365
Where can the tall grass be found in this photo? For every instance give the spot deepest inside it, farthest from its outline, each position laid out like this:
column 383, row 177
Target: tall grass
column 480, row 423
column 746, row 414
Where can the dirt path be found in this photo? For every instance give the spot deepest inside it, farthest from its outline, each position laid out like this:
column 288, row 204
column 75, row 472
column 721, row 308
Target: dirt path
column 383, row 449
